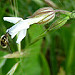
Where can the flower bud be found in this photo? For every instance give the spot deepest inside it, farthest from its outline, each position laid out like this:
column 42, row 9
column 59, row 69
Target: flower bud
column 72, row 14
column 47, row 13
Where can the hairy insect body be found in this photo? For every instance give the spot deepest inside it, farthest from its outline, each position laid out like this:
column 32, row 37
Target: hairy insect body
column 4, row 40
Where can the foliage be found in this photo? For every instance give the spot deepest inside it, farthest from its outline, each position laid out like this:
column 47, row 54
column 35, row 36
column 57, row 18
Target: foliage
column 47, row 49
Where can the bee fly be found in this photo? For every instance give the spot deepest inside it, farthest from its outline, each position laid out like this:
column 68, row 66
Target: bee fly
column 4, row 41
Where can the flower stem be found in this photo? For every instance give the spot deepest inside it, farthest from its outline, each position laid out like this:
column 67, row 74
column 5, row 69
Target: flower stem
column 16, row 8
column 16, row 14
column 63, row 12
column 19, row 46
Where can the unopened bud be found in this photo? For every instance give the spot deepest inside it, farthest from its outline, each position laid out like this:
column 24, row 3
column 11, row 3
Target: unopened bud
column 72, row 14
column 47, row 13
column 59, row 23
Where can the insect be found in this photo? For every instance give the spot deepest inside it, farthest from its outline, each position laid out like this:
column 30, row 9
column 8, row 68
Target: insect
column 4, row 41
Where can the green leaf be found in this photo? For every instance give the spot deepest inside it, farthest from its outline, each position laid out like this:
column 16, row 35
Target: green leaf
column 30, row 65
column 45, row 66
column 70, row 56
column 12, row 70
column 2, row 60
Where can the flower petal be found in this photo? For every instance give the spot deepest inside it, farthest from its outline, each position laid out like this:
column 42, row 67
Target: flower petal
column 13, row 35
column 12, row 19
column 23, row 25
column 35, row 19
column 21, row 35
column 18, row 27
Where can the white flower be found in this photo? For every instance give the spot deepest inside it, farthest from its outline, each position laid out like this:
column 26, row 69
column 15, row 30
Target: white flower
column 20, row 26
column 41, row 16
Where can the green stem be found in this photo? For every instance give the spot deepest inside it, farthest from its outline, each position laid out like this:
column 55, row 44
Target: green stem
column 42, row 35
column 16, row 8
column 70, row 14
column 70, row 54
column 64, row 12
column 19, row 46
column 16, row 14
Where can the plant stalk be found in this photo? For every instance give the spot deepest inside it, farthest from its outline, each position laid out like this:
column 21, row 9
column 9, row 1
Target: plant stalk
column 16, row 14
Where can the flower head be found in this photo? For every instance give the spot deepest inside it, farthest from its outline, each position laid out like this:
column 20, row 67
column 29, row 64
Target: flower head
column 41, row 16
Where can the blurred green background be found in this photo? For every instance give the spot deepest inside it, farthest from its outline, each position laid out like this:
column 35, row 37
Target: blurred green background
column 52, row 55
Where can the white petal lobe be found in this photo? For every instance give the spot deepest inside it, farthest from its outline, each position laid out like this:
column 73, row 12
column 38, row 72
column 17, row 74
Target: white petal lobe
column 13, row 35
column 21, row 35
column 18, row 27
column 12, row 19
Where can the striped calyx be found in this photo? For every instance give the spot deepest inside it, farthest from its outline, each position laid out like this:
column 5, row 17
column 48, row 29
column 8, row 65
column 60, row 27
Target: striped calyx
column 47, row 13
column 72, row 14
